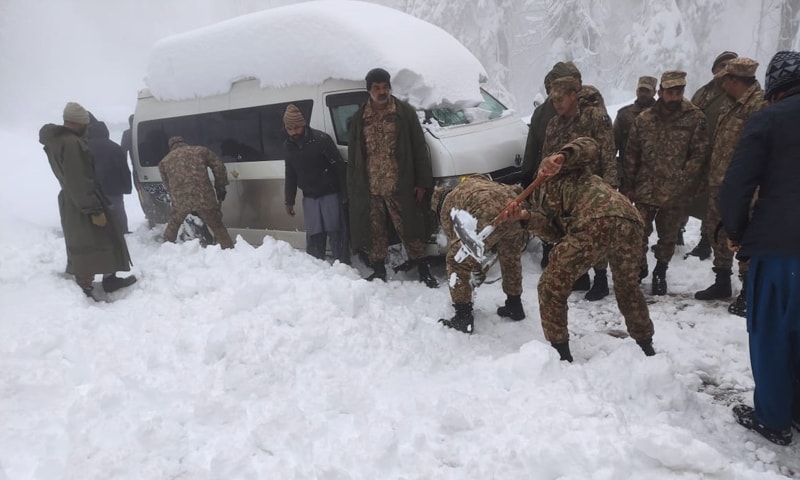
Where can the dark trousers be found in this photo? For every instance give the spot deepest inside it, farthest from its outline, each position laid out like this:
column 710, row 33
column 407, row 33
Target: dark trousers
column 773, row 322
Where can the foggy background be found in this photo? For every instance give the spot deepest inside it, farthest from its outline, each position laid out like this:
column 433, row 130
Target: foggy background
column 95, row 51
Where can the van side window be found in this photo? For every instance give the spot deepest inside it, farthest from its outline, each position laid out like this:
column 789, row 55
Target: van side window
column 253, row 134
column 342, row 107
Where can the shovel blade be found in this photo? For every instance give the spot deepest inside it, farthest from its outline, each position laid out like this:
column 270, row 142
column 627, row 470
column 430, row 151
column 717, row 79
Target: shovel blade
column 472, row 242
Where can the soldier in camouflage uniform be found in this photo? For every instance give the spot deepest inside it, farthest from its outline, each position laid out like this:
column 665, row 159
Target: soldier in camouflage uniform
column 589, row 220
column 184, row 171
column 666, row 150
column 588, row 96
column 483, row 199
column 389, row 175
column 645, row 98
column 710, row 98
column 583, row 118
column 738, row 79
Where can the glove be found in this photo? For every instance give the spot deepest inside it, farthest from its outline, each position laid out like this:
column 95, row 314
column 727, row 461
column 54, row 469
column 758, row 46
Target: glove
column 221, row 194
column 99, row 219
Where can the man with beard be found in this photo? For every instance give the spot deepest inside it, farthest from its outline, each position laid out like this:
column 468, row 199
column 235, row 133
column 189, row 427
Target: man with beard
column 665, row 153
column 315, row 166
column 738, row 79
column 645, row 98
column 389, row 178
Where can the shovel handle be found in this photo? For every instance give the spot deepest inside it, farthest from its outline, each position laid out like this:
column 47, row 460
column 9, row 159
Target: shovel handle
column 522, row 196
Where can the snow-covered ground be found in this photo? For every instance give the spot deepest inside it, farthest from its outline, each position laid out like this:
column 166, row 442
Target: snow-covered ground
column 263, row 363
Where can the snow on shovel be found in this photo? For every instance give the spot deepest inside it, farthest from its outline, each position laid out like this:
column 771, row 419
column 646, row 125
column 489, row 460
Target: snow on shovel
column 465, row 225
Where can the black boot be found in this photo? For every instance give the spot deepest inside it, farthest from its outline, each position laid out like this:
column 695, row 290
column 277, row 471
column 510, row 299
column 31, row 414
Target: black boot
column 582, row 284
column 563, row 351
column 647, row 346
column 462, row 320
column 546, row 247
column 599, row 287
column 739, row 306
column 745, row 416
column 660, row 279
column 721, row 287
column 680, row 241
column 114, row 283
column 512, row 309
column 424, row 269
column 378, row 271
column 702, row 250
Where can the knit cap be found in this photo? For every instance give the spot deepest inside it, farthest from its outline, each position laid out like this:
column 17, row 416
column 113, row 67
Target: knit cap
column 75, row 113
column 293, row 118
column 783, row 73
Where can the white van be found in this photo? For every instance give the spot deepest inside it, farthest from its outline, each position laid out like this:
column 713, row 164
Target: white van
column 244, row 125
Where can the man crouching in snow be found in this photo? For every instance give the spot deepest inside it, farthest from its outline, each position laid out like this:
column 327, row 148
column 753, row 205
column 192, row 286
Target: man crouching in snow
column 589, row 220
column 483, row 199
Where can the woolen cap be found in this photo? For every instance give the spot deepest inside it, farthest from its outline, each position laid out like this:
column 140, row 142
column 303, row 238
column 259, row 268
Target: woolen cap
column 649, row 83
column 739, row 67
column 673, row 78
column 75, row 113
column 783, row 73
column 378, row 75
column 293, row 117
column 721, row 58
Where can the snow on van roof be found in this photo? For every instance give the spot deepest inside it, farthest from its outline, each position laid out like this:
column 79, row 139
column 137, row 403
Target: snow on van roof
column 307, row 43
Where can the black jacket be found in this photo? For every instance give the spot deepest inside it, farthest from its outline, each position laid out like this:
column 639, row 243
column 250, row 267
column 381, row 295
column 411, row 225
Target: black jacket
column 767, row 157
column 110, row 164
column 314, row 165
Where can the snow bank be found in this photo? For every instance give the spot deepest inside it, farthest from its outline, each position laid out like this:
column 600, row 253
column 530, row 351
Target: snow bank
column 308, row 43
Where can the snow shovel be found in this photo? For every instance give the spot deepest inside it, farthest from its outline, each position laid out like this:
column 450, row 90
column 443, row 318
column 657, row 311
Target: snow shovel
column 472, row 243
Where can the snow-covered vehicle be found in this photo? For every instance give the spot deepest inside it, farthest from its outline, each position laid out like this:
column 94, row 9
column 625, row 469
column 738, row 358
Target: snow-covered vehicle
column 226, row 87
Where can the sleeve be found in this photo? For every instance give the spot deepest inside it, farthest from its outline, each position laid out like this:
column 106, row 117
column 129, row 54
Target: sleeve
column 423, row 171
column 79, row 182
column 633, row 157
column 608, row 159
column 743, row 176
column 217, row 168
column 333, row 156
column 121, row 160
column 541, row 226
column 698, row 153
column 164, row 177
column 290, row 183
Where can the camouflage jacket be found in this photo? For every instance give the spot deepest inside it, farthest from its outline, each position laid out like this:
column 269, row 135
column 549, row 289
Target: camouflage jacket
column 574, row 198
column 589, row 121
column 665, row 155
column 184, row 171
column 729, row 127
column 623, row 123
column 479, row 196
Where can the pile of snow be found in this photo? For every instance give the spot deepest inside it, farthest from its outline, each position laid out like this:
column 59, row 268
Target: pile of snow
column 306, row 44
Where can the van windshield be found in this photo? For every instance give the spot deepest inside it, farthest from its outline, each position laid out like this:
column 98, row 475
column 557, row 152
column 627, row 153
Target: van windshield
column 490, row 109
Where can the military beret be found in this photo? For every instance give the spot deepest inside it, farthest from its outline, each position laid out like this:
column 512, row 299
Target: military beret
column 648, row 83
column 739, row 67
column 673, row 78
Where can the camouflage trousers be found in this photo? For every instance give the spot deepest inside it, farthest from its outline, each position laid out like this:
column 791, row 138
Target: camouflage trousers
column 723, row 256
column 615, row 238
column 212, row 217
column 507, row 240
column 379, row 208
column 668, row 223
